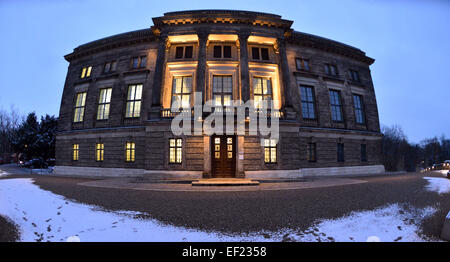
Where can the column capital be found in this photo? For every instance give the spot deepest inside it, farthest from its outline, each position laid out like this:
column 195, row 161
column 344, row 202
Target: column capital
column 203, row 35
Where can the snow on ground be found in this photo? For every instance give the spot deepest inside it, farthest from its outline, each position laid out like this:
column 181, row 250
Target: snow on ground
column 438, row 185
column 3, row 173
column 44, row 216
column 385, row 224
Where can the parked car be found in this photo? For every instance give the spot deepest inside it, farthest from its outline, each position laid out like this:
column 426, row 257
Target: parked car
column 36, row 163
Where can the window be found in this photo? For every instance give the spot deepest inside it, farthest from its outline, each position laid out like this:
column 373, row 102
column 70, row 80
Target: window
column 130, row 151
column 104, row 101
column 133, row 107
column 311, row 152
column 184, row 52
column 331, row 70
column 99, row 151
column 359, row 109
column 302, row 64
column 110, row 67
column 175, row 150
column 75, row 152
column 79, row 107
column 336, row 106
column 340, row 152
column 262, row 90
column 363, row 153
column 222, row 51
column 222, row 90
column 86, row 71
column 138, row 62
column 270, row 150
column 308, row 102
column 181, row 90
column 354, row 75
column 260, row 53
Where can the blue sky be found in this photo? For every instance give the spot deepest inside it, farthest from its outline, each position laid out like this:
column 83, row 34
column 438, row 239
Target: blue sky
column 410, row 41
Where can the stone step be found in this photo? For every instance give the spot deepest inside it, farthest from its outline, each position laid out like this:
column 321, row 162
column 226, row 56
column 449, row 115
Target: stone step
column 225, row 182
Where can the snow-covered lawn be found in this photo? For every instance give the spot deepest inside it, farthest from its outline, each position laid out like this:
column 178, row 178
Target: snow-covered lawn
column 3, row 173
column 385, row 224
column 438, row 185
column 44, row 216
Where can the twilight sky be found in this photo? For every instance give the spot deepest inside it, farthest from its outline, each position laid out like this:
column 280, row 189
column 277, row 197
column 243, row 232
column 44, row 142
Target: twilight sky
column 410, row 41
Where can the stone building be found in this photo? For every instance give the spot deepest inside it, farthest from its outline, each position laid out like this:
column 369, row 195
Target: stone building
column 115, row 115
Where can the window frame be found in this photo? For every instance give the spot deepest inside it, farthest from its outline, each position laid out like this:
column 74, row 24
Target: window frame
column 111, row 65
column 263, row 96
column 307, row 102
column 311, row 152
column 354, row 76
column 104, row 104
column 222, row 93
column 260, row 53
column 268, row 146
column 130, row 152
column 340, row 152
column 359, row 109
column 176, row 160
column 329, row 68
column 75, row 152
column 303, row 66
column 222, row 51
column 86, row 72
column 79, row 110
column 339, row 105
column 99, row 152
column 183, row 53
column 182, row 93
column 133, row 101
column 363, row 152
column 139, row 63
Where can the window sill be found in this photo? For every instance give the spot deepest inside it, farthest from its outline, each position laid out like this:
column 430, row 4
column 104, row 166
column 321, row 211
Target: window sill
column 133, row 71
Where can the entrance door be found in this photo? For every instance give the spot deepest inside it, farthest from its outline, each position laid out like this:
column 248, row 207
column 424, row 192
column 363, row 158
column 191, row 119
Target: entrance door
column 223, row 150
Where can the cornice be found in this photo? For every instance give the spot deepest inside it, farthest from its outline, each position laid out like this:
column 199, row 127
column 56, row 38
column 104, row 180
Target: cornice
column 328, row 45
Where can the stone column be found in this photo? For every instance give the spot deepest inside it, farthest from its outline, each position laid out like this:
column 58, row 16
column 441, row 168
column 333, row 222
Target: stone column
column 243, row 63
column 158, row 81
column 284, row 67
column 201, row 67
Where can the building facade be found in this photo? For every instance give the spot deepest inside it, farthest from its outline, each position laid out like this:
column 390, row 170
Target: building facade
column 115, row 116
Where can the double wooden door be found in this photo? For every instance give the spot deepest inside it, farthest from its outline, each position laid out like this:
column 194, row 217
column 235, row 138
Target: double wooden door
column 223, row 158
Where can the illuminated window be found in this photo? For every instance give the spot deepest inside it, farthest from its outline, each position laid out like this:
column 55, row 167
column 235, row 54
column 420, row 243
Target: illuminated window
column 262, row 91
column 99, row 151
column 363, row 153
column 308, row 102
column 354, row 75
column 104, row 101
column 331, row 70
column 311, row 152
column 359, row 109
column 340, row 152
column 336, row 106
column 110, row 67
column 134, row 96
column 222, row 51
column 222, row 90
column 181, row 90
column 86, row 71
column 270, row 150
column 175, row 150
column 79, row 107
column 260, row 53
column 130, row 152
column 302, row 64
column 138, row 62
column 76, row 151
column 184, row 52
